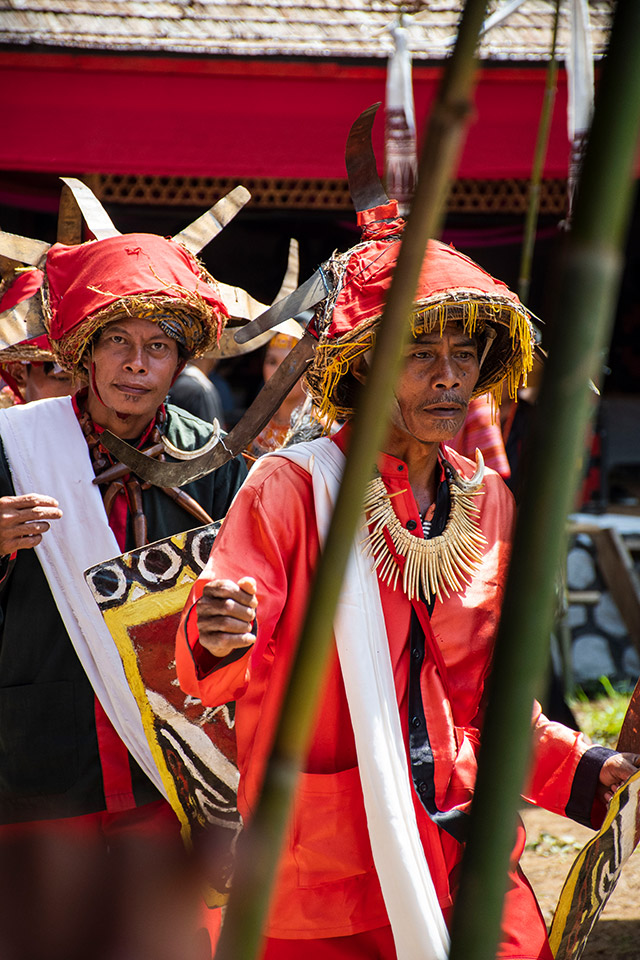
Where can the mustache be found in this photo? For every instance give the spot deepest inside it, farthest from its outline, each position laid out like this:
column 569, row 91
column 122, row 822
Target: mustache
column 450, row 397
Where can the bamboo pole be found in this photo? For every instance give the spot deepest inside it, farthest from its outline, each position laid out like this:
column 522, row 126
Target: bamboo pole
column 539, row 156
column 260, row 847
column 586, row 293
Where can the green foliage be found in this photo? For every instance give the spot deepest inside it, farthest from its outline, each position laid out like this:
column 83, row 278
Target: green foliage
column 546, row 845
column 600, row 716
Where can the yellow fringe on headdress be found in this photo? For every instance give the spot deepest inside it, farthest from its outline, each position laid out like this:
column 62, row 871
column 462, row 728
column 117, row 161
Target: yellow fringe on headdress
column 333, row 361
column 508, row 360
column 473, row 315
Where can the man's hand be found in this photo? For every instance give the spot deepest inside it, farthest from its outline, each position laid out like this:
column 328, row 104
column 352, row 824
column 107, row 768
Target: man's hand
column 615, row 771
column 24, row 519
column 225, row 613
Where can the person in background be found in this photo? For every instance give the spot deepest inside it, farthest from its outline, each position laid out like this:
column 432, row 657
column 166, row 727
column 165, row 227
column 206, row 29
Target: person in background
column 481, row 431
column 28, row 368
column 32, row 373
column 193, row 391
column 273, row 435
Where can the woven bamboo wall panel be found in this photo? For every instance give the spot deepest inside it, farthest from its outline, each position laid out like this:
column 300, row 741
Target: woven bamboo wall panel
column 467, row 196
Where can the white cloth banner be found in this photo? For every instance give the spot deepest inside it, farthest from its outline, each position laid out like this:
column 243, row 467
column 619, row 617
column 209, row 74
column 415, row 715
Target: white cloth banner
column 48, row 454
column 415, row 915
column 399, row 87
column 579, row 66
column 400, row 154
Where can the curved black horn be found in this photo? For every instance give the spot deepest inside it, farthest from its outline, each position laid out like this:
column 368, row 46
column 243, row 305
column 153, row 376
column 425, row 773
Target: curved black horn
column 365, row 185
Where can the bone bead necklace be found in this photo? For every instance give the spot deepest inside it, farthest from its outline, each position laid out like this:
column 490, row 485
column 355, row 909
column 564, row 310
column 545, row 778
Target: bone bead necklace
column 439, row 565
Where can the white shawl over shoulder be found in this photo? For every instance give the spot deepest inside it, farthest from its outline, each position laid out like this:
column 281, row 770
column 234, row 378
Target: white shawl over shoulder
column 416, row 919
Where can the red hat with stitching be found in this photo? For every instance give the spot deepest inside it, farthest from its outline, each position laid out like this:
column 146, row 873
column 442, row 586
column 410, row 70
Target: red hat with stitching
column 141, row 275
column 451, row 288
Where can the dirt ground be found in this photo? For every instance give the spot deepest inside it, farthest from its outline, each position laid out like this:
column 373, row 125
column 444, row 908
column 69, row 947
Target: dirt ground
column 552, row 844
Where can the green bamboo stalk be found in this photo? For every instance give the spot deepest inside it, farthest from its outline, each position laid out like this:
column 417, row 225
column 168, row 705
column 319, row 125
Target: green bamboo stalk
column 259, row 852
column 539, row 156
column 586, row 292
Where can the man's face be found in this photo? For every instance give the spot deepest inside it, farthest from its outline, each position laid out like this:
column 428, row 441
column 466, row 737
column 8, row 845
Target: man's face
column 46, row 380
column 435, row 385
column 272, row 360
column 135, row 363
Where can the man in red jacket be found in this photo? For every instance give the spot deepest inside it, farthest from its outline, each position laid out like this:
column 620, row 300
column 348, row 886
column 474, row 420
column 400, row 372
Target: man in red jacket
column 370, row 862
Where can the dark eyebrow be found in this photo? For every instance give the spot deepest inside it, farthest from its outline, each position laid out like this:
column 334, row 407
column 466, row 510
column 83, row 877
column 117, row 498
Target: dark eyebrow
column 461, row 339
column 115, row 327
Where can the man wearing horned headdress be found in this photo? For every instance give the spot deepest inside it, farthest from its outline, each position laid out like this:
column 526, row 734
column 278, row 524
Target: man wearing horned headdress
column 124, row 313
column 370, row 861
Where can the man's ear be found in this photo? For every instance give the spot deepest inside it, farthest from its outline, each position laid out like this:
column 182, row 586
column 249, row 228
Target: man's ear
column 359, row 367
column 18, row 371
column 84, row 363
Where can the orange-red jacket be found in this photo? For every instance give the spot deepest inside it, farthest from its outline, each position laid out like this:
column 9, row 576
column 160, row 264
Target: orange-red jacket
column 327, row 884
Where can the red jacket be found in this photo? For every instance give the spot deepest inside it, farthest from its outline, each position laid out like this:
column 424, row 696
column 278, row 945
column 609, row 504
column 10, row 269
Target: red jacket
column 327, row 884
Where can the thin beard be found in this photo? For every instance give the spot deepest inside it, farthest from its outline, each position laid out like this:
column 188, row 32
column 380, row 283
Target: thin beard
column 450, row 398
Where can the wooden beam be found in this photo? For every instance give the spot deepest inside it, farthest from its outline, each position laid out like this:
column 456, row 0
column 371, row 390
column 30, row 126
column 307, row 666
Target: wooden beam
column 616, row 566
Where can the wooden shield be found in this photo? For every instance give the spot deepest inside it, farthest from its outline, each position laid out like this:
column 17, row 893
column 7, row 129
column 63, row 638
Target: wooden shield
column 141, row 596
column 595, row 872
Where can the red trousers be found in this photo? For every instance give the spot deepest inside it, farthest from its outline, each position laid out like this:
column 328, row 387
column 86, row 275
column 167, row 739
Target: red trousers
column 103, row 885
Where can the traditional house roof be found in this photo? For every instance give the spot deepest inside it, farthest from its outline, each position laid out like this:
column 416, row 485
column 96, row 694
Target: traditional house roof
column 285, row 28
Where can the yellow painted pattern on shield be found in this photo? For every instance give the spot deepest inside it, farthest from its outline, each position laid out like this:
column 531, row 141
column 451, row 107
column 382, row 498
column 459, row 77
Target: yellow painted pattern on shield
column 594, row 873
column 144, row 609
column 140, row 608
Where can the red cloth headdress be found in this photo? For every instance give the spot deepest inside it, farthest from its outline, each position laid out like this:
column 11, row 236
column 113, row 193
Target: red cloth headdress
column 25, row 285
column 135, row 275
column 451, row 288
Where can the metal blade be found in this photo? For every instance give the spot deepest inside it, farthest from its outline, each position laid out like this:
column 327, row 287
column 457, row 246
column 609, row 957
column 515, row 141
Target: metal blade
column 96, row 217
column 199, row 233
column 365, row 185
column 315, row 289
column 22, row 322
column 629, row 739
column 23, row 249
column 255, row 418
column 227, row 346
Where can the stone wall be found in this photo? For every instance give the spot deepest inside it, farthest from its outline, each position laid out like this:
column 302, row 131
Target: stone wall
column 601, row 643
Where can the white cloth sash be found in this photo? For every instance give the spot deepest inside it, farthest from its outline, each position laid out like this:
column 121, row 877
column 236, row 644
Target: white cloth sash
column 415, row 915
column 48, row 454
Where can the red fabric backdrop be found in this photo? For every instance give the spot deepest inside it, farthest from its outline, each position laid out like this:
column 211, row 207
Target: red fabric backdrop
column 242, row 118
